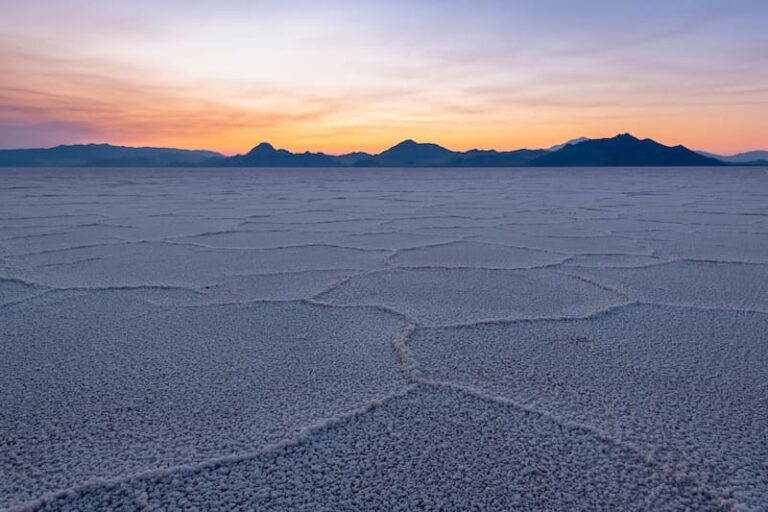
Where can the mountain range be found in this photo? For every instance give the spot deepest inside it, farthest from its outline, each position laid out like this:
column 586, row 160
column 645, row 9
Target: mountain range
column 622, row 150
column 750, row 157
column 103, row 155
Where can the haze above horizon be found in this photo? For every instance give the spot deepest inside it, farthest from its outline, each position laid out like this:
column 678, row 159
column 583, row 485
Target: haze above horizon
column 345, row 75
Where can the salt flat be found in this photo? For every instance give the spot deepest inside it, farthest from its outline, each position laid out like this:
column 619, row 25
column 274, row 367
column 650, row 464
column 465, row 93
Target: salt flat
column 392, row 339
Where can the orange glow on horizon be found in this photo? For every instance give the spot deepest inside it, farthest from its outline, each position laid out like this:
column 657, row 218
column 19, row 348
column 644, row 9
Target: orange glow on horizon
column 338, row 80
column 104, row 108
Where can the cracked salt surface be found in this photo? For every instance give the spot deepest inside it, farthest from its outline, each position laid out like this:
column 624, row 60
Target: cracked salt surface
column 139, row 387
column 612, row 261
column 434, row 450
column 172, row 264
column 440, row 296
column 717, row 245
column 13, row 290
column 473, row 254
column 686, row 386
column 448, row 339
column 563, row 244
column 737, row 286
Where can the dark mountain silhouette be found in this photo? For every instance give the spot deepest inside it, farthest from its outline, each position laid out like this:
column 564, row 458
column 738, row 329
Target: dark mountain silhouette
column 103, row 155
column 356, row 159
column 622, row 151
column 265, row 155
column 414, row 154
column 492, row 158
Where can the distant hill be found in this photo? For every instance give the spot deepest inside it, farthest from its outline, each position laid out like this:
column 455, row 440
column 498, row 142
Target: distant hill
column 103, row 155
column 493, row 158
column 265, row 155
column 623, row 151
column 410, row 153
column 749, row 157
column 568, row 143
column 619, row 151
column 356, row 159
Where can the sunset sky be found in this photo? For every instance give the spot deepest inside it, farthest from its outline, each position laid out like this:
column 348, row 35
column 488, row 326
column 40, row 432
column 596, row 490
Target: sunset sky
column 337, row 76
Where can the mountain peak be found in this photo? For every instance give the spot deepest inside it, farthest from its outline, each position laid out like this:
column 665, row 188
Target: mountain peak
column 410, row 152
column 623, row 150
column 406, row 143
column 264, row 146
column 412, row 145
column 266, row 155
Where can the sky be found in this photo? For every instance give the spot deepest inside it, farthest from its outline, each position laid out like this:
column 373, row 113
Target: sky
column 338, row 76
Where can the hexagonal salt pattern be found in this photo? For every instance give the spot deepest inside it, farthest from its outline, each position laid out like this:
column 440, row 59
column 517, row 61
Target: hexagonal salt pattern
column 737, row 286
column 440, row 296
column 383, row 339
column 429, row 450
column 100, row 384
column 686, row 386
column 473, row 254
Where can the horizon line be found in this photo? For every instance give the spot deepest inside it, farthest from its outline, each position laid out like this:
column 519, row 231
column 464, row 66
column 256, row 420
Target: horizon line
column 407, row 139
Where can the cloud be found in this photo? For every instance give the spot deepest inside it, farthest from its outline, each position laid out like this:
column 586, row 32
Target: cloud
column 20, row 133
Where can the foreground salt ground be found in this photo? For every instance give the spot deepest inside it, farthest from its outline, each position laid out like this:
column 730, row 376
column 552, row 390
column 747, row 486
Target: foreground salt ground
column 384, row 340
